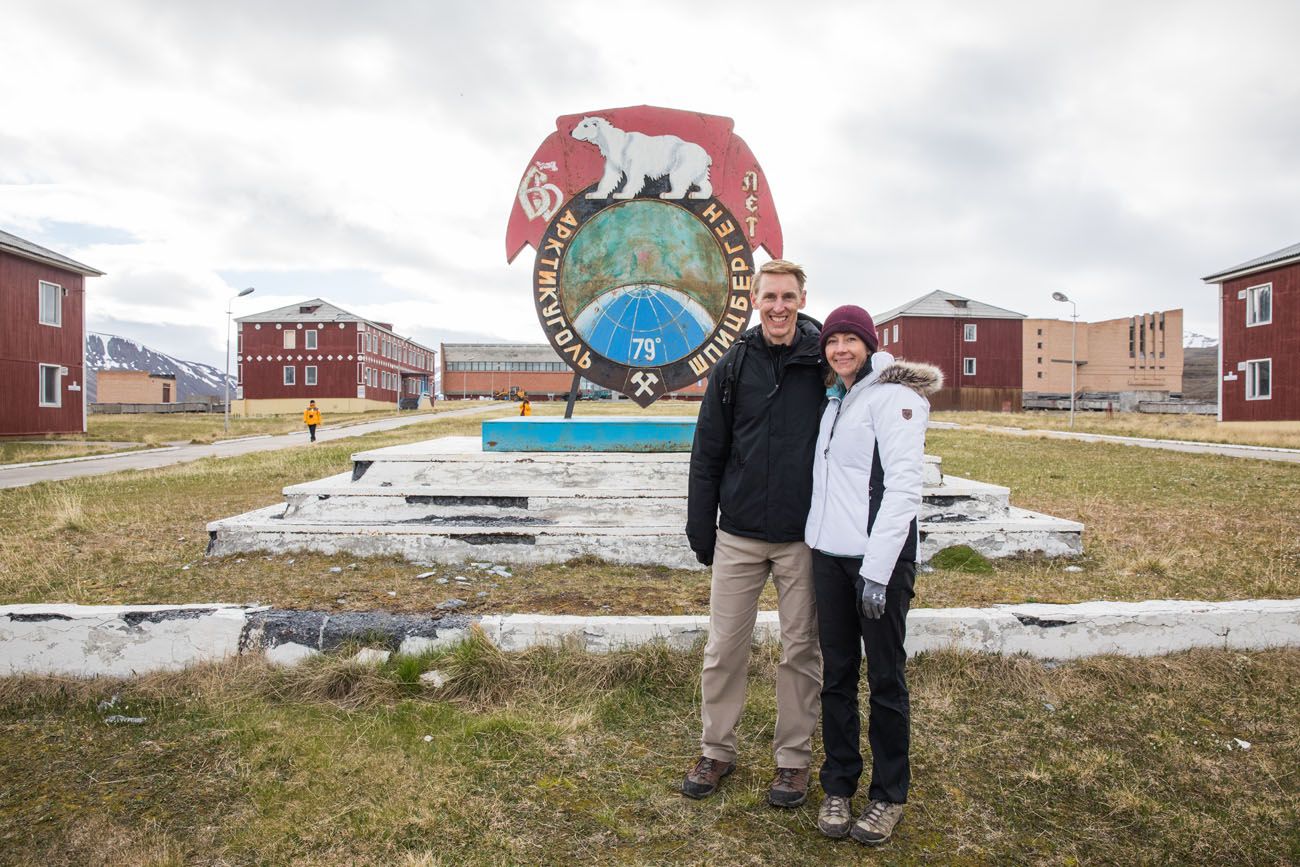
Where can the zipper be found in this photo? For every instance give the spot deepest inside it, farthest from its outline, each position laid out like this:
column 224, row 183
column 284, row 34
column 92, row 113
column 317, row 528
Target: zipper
column 826, row 471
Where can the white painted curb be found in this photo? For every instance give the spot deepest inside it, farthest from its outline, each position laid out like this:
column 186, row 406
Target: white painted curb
column 126, row 640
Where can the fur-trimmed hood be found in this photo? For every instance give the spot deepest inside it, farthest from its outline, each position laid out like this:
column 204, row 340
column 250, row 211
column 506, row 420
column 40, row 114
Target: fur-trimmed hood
column 924, row 379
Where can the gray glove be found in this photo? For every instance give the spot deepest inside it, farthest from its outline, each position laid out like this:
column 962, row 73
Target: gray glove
column 873, row 600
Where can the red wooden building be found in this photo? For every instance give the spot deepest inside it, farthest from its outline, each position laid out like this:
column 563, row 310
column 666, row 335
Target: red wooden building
column 977, row 346
column 42, row 340
column 317, row 351
column 1259, row 338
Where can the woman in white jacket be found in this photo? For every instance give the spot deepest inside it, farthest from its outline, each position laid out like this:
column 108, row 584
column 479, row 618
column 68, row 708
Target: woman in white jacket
column 862, row 527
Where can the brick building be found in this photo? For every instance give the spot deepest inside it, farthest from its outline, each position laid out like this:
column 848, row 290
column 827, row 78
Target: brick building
column 315, row 350
column 134, row 386
column 976, row 345
column 1142, row 353
column 42, row 339
column 1259, row 338
column 471, row 370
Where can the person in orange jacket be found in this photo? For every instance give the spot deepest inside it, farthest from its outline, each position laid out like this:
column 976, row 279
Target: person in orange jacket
column 527, row 407
column 311, row 418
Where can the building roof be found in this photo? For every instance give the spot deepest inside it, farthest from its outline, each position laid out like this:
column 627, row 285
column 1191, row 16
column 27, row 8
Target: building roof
column 320, row 310
column 947, row 305
column 452, row 352
column 35, row 252
column 1276, row 259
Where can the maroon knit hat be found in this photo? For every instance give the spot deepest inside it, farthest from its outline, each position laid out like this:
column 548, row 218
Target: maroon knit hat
column 854, row 320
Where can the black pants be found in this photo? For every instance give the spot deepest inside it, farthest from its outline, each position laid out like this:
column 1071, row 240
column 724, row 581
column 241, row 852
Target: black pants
column 843, row 632
column 311, row 429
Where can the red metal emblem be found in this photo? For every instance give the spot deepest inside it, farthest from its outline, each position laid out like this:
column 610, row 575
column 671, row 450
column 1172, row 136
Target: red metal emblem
column 907, row 414
column 644, row 221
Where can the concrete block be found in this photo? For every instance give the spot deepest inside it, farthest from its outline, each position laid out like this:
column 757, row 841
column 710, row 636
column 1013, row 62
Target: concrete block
column 115, row 640
column 371, row 656
column 290, row 654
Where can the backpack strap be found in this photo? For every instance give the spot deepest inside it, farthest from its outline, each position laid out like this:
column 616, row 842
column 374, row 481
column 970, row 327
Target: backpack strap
column 730, row 375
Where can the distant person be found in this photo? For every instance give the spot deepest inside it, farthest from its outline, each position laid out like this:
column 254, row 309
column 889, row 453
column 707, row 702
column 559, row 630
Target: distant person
column 311, row 418
column 526, row 407
column 750, row 485
column 862, row 528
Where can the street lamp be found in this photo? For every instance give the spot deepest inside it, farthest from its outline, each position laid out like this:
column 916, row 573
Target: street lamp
column 242, row 293
column 1074, row 329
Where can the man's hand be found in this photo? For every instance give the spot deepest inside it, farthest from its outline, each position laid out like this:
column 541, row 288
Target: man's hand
column 705, row 557
column 873, row 600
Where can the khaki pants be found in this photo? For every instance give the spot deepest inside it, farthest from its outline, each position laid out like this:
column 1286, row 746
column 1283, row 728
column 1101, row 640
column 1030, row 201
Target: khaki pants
column 740, row 569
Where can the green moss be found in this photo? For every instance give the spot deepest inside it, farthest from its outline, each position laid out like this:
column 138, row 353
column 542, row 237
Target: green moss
column 962, row 558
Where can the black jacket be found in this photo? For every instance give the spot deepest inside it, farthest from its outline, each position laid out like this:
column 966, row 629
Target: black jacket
column 753, row 452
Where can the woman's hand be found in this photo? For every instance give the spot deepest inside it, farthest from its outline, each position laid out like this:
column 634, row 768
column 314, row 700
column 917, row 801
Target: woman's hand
column 873, row 600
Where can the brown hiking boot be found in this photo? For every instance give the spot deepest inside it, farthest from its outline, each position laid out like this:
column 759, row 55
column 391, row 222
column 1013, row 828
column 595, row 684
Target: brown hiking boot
column 877, row 823
column 789, row 788
column 702, row 780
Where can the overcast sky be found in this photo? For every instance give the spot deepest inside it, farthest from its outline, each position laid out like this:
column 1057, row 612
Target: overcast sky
column 370, row 153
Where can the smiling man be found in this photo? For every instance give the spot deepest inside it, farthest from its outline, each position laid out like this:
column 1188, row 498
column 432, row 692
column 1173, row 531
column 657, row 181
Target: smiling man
column 750, row 488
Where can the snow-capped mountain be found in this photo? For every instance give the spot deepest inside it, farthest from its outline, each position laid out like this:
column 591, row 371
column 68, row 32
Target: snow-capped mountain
column 110, row 352
column 1192, row 340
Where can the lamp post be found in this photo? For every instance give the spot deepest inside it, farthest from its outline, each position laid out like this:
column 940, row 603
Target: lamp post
column 229, row 304
column 1074, row 365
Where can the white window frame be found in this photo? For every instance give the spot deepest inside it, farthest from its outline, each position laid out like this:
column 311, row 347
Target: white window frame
column 309, row 374
column 886, row 341
column 361, row 373
column 1252, row 378
column 289, row 375
column 968, row 332
column 58, row 384
column 1252, row 304
column 895, row 332
column 290, row 339
column 239, row 374
column 309, row 340
column 968, row 367
column 44, row 286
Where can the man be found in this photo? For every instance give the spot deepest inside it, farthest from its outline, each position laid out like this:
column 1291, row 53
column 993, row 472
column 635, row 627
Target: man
column 311, row 418
column 750, row 488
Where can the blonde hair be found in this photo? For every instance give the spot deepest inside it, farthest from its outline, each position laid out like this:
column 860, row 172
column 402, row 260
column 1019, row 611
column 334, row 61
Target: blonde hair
column 781, row 266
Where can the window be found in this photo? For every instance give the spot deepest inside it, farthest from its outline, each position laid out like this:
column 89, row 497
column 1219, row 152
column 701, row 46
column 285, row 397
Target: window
column 1040, row 344
column 361, row 374
column 1259, row 305
column 1040, row 359
column 968, row 332
column 309, row 340
column 290, row 374
column 309, row 375
column 1040, row 374
column 239, row 374
column 1040, row 332
column 1259, row 379
column 968, row 366
column 51, row 394
column 51, row 304
column 895, row 332
column 290, row 339
column 886, row 341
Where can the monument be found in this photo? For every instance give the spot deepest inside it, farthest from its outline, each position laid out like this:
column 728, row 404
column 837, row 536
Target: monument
column 644, row 222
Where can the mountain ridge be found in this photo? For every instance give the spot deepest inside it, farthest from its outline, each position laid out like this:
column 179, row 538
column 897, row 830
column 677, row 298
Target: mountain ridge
column 194, row 380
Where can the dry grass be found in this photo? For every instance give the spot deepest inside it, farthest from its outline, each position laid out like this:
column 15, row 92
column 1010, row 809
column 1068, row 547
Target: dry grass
column 49, row 450
column 1197, row 428
column 559, row 757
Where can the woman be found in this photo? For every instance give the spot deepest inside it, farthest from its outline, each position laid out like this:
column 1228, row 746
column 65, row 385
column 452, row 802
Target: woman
column 862, row 527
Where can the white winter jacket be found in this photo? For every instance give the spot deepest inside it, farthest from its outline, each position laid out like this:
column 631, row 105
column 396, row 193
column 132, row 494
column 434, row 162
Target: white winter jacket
column 868, row 467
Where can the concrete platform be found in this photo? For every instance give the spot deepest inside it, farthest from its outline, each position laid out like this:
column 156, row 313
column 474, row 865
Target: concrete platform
column 590, row 434
column 448, row 500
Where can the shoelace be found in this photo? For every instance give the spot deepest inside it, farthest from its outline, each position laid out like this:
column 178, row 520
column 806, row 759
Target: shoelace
column 875, row 812
column 836, row 808
column 705, row 766
column 786, row 776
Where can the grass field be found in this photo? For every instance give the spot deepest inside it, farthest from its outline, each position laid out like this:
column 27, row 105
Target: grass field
column 1159, row 525
column 1197, row 428
column 559, row 757
column 49, row 450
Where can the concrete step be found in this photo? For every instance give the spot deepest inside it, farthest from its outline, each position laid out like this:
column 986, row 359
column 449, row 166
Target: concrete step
column 456, row 461
column 338, row 499
column 513, row 540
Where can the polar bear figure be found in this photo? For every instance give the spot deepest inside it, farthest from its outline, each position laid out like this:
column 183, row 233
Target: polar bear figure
column 645, row 157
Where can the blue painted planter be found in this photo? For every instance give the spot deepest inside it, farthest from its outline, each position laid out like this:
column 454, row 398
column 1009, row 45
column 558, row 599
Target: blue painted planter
column 594, row 434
